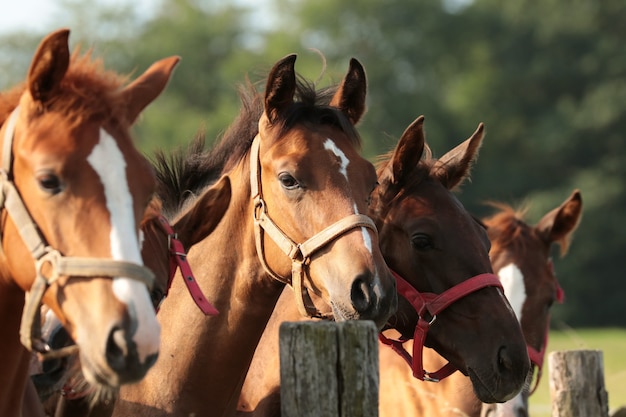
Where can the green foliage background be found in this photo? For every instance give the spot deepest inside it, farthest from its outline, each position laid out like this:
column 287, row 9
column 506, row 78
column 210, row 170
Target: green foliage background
column 547, row 78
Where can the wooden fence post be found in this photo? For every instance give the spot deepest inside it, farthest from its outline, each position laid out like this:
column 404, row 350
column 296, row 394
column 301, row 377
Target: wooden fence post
column 577, row 384
column 329, row 369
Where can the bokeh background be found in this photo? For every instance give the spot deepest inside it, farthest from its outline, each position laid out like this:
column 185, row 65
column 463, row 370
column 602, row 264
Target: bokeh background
column 547, row 78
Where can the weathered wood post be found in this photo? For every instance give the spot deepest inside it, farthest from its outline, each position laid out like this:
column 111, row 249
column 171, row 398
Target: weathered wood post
column 329, row 369
column 577, row 384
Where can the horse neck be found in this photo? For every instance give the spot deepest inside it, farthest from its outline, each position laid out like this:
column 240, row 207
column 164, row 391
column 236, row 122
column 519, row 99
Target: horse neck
column 204, row 360
column 15, row 358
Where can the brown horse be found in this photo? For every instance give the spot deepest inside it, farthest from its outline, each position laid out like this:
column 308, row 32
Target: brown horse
column 429, row 238
column 299, row 188
column 74, row 189
column 63, row 390
column 520, row 254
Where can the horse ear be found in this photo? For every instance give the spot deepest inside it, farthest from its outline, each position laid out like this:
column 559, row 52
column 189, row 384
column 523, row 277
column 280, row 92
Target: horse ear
column 559, row 224
column 350, row 96
column 454, row 167
column 49, row 65
column 281, row 87
column 148, row 86
column 408, row 151
column 202, row 218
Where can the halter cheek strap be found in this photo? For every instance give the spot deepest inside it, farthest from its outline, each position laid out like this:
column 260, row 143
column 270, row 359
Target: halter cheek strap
column 428, row 305
column 50, row 264
column 299, row 253
column 537, row 356
column 178, row 259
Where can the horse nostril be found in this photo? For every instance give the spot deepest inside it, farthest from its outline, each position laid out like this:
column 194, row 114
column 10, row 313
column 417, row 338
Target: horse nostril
column 505, row 363
column 117, row 349
column 151, row 360
column 362, row 296
column 521, row 411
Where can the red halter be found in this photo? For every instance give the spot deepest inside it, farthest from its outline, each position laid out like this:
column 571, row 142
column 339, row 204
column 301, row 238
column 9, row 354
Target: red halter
column 178, row 259
column 536, row 356
column 428, row 305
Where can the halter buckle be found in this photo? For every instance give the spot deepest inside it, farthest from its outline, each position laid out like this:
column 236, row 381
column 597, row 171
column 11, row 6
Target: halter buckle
column 51, row 259
column 429, row 378
column 259, row 209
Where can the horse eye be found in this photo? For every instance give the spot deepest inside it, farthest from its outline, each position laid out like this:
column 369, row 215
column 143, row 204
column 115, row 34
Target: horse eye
column 288, row 181
column 49, row 182
column 422, row 242
column 369, row 197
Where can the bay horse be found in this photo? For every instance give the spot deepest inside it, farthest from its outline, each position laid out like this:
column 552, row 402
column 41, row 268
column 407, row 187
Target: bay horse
column 74, row 189
column 300, row 188
column 520, row 254
column 428, row 238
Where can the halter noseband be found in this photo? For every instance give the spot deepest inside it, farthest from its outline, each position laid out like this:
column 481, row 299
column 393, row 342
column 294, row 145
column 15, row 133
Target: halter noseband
column 299, row 253
column 427, row 306
column 50, row 264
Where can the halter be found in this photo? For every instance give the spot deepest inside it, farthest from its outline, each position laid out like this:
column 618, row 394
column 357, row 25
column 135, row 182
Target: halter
column 50, row 264
column 299, row 253
column 536, row 356
column 427, row 306
column 178, row 259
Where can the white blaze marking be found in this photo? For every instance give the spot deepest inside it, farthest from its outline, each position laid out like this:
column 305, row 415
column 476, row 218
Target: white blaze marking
column 331, row 146
column 367, row 239
column 108, row 162
column 513, row 282
column 343, row 170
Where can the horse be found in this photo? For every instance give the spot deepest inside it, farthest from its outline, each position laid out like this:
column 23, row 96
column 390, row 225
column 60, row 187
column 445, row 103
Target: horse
column 164, row 247
column 428, row 238
column 74, row 189
column 520, row 254
column 300, row 188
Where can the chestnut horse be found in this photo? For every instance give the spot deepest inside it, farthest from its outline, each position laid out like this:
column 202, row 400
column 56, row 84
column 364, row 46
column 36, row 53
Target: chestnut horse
column 520, row 254
column 429, row 238
column 74, row 189
column 63, row 391
column 299, row 188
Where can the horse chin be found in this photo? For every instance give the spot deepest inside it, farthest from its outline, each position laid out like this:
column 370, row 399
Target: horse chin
column 98, row 376
column 489, row 393
column 516, row 407
column 341, row 313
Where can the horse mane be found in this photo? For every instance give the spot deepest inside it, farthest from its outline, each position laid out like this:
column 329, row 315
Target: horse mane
column 9, row 100
column 153, row 210
column 86, row 91
column 185, row 172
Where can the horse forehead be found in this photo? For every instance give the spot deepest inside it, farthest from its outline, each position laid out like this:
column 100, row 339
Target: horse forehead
column 430, row 199
column 313, row 151
column 525, row 250
column 67, row 141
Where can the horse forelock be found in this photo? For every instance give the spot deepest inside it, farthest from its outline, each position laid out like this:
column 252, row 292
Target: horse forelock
column 87, row 91
column 411, row 179
column 506, row 229
column 311, row 107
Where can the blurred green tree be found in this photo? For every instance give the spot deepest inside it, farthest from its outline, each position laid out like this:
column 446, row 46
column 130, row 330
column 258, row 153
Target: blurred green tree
column 548, row 79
